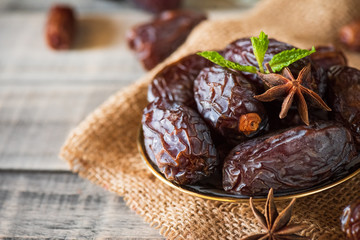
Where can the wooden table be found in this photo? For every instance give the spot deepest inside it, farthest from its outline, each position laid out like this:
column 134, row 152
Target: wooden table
column 43, row 95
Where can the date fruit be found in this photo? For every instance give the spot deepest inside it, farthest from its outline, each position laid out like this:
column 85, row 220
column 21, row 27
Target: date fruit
column 176, row 81
column 327, row 56
column 345, row 98
column 157, row 6
column 60, row 27
column 225, row 100
column 178, row 141
column 156, row 40
column 295, row 159
column 349, row 35
column 322, row 60
column 350, row 220
column 241, row 51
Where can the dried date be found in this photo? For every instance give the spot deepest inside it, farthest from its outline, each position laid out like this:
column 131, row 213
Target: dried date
column 327, row 56
column 350, row 220
column 178, row 141
column 176, row 81
column 298, row 158
column 156, row 40
column 345, row 98
column 225, row 100
column 60, row 27
column 321, row 61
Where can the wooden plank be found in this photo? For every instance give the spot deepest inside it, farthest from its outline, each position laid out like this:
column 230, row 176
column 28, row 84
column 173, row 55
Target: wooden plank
column 36, row 119
column 100, row 53
column 61, row 205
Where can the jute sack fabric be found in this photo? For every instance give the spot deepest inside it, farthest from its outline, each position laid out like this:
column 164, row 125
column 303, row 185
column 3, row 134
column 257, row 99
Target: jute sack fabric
column 103, row 147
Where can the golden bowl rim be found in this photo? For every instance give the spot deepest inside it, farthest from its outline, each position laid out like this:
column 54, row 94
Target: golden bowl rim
column 144, row 156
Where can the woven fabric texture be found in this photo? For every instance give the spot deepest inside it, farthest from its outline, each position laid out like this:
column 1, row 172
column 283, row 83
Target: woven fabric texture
column 103, row 148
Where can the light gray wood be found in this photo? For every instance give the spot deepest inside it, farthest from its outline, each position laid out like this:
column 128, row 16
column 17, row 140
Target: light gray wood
column 44, row 94
column 35, row 120
column 100, row 52
column 61, row 205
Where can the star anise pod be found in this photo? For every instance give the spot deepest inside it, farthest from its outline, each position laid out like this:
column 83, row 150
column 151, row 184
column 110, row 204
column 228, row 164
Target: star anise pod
column 285, row 85
column 276, row 224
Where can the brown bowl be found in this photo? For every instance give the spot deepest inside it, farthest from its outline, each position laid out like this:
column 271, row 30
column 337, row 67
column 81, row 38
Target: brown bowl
column 209, row 191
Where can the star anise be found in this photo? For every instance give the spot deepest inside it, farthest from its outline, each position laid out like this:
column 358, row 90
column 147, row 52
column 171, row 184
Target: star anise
column 285, row 85
column 276, row 224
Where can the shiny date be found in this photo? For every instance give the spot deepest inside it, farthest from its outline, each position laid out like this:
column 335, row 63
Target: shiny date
column 295, row 159
column 176, row 81
column 178, row 141
column 225, row 100
column 345, row 98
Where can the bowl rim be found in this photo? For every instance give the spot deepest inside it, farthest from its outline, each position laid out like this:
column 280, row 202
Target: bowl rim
column 146, row 159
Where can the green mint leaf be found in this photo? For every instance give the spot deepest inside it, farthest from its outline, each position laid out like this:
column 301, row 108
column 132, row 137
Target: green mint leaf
column 260, row 46
column 287, row 57
column 215, row 57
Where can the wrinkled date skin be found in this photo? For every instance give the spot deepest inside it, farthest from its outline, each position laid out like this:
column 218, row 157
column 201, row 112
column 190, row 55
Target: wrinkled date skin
column 225, row 100
column 322, row 60
column 345, row 98
column 176, row 81
column 178, row 141
column 156, row 40
column 157, row 6
column 327, row 56
column 295, row 159
column 241, row 51
column 60, row 27
column 350, row 220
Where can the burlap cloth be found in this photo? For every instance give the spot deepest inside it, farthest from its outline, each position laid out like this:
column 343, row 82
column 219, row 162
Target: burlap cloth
column 103, row 147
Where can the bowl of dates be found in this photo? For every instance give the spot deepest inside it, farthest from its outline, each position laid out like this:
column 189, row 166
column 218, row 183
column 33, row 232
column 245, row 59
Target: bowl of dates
column 231, row 124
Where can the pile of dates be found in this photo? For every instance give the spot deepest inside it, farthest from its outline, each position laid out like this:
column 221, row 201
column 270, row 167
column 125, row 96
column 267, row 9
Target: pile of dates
column 203, row 123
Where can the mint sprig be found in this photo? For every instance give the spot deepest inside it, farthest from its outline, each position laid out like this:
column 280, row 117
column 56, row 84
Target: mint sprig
column 260, row 46
column 216, row 58
column 287, row 57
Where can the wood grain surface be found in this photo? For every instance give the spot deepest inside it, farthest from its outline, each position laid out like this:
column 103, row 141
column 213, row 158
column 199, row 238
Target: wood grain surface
column 42, row 205
column 44, row 94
